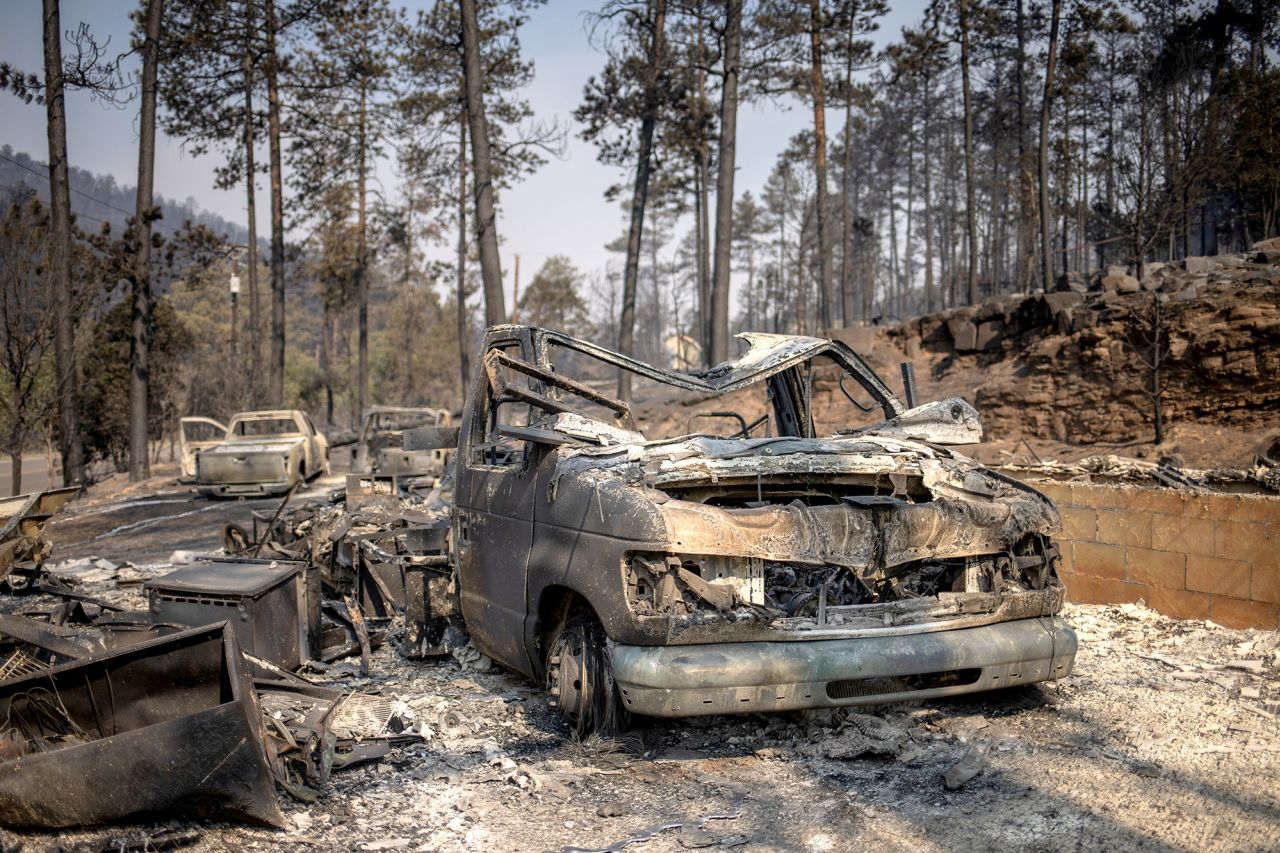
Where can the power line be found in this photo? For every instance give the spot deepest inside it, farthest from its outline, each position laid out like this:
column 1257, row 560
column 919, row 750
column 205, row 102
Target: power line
column 86, row 195
column 16, row 189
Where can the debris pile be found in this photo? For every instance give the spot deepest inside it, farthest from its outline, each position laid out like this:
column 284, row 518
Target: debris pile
column 1264, row 475
column 1161, row 717
column 381, row 551
column 200, row 713
column 170, row 724
column 22, row 548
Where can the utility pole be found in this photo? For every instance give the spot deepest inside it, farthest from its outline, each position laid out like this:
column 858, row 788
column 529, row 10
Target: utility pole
column 233, row 290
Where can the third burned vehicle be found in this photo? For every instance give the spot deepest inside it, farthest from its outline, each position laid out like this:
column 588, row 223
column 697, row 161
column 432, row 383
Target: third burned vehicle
column 779, row 532
column 381, row 449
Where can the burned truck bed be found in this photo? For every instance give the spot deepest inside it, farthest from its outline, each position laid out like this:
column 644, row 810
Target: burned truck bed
column 766, row 561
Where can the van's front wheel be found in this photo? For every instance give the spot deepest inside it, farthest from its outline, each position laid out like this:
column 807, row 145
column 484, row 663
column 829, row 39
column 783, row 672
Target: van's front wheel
column 580, row 678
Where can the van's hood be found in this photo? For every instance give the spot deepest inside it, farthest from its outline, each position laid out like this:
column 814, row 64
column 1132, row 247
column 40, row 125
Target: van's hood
column 703, row 458
column 869, row 533
column 927, row 501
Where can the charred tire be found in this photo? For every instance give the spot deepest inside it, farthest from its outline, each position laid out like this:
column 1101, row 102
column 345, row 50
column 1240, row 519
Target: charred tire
column 580, row 679
column 234, row 539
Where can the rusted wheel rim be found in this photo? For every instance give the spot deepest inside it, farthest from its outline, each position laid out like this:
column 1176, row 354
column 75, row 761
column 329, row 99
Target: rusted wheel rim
column 567, row 677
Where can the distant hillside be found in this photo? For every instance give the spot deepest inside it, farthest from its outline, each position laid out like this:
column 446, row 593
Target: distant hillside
column 99, row 198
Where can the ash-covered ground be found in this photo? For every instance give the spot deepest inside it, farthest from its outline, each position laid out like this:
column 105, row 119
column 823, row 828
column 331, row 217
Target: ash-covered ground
column 1166, row 737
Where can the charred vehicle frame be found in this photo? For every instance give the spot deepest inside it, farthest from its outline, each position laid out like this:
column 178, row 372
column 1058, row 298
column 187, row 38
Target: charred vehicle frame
column 257, row 458
column 705, row 573
column 382, row 448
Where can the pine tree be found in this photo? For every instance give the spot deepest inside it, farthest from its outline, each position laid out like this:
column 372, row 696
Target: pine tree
column 342, row 119
column 434, row 122
column 630, row 90
column 216, row 55
column 553, row 298
column 85, row 69
column 140, row 326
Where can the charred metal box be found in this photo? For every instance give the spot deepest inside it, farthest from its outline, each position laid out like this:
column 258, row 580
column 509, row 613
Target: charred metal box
column 273, row 605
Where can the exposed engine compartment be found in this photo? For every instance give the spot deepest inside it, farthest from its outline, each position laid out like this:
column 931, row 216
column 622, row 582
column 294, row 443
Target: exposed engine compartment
column 852, row 549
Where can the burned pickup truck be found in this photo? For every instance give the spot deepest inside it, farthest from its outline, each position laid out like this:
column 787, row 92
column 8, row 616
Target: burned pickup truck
column 262, row 453
column 780, row 532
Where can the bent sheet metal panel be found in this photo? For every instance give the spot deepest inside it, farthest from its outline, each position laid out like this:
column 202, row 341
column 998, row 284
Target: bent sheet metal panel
column 174, row 727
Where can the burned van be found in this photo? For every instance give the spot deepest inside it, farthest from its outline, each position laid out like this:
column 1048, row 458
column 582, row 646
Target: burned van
column 777, row 532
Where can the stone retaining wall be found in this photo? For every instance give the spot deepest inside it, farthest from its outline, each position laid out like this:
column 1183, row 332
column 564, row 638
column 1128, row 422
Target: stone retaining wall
column 1186, row 554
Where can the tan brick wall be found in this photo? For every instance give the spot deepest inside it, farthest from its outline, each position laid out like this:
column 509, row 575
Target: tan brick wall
column 1188, row 555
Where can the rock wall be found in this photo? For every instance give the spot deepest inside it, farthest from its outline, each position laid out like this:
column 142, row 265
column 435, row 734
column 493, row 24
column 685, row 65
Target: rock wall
column 1187, row 554
column 1075, row 365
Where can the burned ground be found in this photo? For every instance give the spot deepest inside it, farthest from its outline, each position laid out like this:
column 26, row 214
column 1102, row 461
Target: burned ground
column 1165, row 737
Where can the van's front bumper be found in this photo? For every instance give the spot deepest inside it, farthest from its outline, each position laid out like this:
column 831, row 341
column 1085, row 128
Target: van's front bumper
column 739, row 678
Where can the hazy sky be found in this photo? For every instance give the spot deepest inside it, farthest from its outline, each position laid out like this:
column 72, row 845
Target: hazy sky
column 560, row 210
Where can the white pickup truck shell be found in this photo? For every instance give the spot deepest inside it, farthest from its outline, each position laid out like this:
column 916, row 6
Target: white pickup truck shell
column 264, row 453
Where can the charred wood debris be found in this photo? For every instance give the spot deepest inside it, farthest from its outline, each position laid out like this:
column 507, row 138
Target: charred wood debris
column 210, row 701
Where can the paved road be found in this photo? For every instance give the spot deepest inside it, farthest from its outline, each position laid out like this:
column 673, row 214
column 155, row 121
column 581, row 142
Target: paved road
column 147, row 528
column 35, row 474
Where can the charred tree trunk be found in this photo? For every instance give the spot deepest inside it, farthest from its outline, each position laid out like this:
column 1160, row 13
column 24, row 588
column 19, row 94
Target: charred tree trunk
column 889, row 301
column 704, row 243
column 407, row 319
column 867, row 266
column 1022, row 267
column 1112, row 73
column 1046, row 104
column 1151, row 336
column 362, row 258
column 59, row 259
column 1082, row 200
column 780, row 280
column 463, row 361
column 1143, row 187
column 495, row 311
column 140, row 340
column 971, row 211
column 702, row 203
column 724, row 184
column 802, row 286
column 909, row 254
column 15, row 466
column 1064, row 182
column 930, row 300
column 639, row 195
column 275, row 389
column 948, row 234
column 820, row 161
column 703, row 281
column 846, row 192
column 255, row 343
column 326, row 360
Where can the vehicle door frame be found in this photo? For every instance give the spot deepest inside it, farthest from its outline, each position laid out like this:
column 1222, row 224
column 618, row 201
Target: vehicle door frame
column 195, row 447
column 493, row 524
